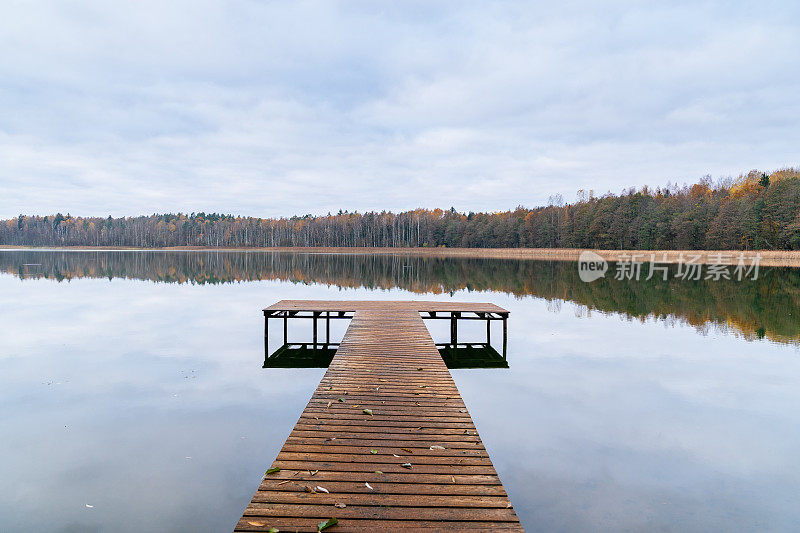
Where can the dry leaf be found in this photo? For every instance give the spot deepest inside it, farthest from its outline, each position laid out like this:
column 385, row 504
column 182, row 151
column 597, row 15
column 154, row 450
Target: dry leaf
column 406, row 465
column 321, row 489
column 367, row 411
column 368, row 486
column 254, row 523
column 339, row 505
column 407, row 450
column 435, row 447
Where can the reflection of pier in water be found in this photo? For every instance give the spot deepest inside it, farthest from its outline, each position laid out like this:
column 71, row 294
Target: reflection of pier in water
column 386, row 441
column 319, row 353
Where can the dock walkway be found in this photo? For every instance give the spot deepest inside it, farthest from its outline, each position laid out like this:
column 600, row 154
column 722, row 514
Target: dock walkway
column 386, row 441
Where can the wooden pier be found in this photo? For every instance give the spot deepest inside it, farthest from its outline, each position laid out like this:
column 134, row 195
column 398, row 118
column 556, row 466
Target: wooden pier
column 386, row 441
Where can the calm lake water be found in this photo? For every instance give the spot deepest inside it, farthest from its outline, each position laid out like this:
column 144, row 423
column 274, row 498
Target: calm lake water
column 132, row 396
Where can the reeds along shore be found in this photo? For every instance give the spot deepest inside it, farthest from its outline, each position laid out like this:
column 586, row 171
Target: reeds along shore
column 768, row 258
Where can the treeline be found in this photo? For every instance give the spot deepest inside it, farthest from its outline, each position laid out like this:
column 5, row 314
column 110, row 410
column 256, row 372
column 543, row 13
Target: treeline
column 753, row 211
column 766, row 307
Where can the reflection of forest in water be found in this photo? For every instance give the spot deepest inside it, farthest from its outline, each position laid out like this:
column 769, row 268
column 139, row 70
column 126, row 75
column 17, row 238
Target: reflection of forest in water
column 768, row 307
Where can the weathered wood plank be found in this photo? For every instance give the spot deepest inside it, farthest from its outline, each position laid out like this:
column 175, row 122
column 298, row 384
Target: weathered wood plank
column 415, row 463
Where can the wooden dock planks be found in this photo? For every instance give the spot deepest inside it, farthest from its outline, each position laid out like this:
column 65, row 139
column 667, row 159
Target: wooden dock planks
column 386, row 363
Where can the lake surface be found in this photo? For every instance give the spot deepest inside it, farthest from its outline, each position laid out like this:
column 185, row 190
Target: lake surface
column 132, row 396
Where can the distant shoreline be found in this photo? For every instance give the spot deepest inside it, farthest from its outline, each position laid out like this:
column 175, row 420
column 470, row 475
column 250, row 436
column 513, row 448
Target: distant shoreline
column 777, row 258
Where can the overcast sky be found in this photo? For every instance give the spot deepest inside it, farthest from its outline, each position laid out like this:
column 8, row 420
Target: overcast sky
column 279, row 108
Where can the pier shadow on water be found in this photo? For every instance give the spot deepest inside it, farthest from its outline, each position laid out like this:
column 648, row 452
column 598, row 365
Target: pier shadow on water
column 304, row 355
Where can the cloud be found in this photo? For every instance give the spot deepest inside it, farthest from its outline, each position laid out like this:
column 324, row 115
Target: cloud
column 270, row 109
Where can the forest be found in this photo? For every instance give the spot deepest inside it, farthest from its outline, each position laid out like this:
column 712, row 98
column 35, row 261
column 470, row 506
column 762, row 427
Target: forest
column 753, row 211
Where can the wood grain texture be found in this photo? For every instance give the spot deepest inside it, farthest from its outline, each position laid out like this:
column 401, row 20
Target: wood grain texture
column 415, row 463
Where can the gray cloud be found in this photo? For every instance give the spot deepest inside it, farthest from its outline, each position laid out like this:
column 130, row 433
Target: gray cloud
column 273, row 109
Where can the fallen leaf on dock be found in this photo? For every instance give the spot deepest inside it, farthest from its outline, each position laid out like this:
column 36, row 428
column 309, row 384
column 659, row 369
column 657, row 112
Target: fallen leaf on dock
column 435, row 447
column 255, row 523
column 368, row 486
column 272, row 470
column 453, row 478
column 329, row 404
column 307, row 488
column 313, row 472
column 284, row 482
column 339, row 505
column 373, row 451
column 408, row 450
column 406, row 465
column 340, row 400
column 321, row 489
column 367, row 412
column 395, row 455
column 328, row 523
column 378, row 472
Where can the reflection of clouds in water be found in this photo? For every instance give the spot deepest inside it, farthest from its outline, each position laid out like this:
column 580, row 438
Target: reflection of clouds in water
column 96, row 401
column 596, row 424
column 612, row 418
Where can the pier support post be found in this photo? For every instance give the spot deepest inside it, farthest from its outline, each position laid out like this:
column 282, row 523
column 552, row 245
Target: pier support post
column 327, row 329
column 285, row 328
column 488, row 330
column 314, row 319
column 505, row 334
column 266, row 337
column 454, row 329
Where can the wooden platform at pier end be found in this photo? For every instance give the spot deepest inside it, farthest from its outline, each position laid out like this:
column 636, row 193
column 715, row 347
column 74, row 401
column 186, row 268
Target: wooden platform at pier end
column 388, row 364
